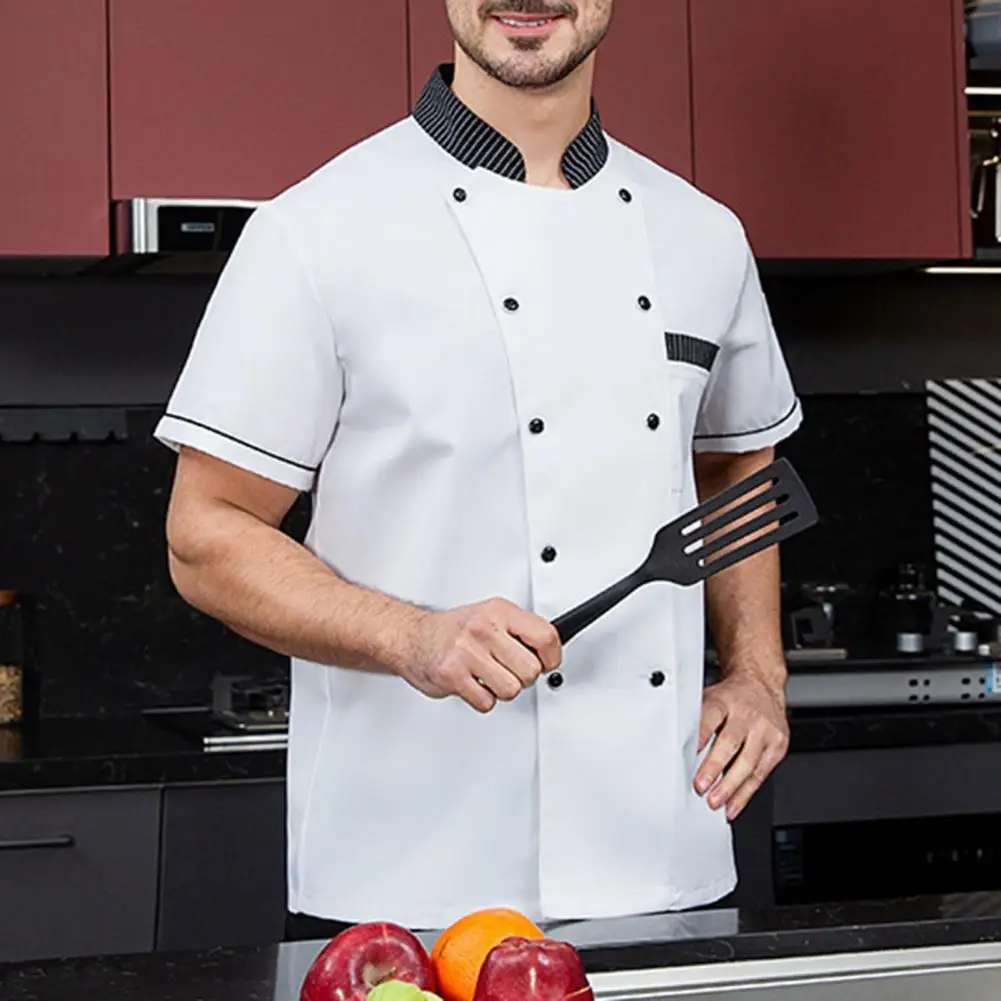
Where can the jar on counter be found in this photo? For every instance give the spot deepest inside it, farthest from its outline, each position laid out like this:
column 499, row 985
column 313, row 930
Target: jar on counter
column 14, row 683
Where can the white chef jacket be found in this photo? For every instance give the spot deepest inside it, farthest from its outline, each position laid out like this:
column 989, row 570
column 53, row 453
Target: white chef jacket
column 492, row 389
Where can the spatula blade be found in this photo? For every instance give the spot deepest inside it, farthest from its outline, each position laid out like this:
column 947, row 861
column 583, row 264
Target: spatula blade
column 721, row 532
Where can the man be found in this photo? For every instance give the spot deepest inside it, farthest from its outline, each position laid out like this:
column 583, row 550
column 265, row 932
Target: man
column 488, row 341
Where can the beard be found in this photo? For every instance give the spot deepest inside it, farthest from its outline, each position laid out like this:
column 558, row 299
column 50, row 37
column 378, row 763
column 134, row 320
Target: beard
column 526, row 65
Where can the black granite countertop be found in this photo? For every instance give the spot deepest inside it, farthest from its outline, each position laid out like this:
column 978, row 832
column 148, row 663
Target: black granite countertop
column 120, row 750
column 69, row 752
column 275, row 973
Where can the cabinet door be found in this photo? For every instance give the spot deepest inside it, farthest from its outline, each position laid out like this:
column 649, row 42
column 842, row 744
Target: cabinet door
column 641, row 81
column 242, row 98
column 223, row 866
column 833, row 127
column 78, row 873
column 53, row 128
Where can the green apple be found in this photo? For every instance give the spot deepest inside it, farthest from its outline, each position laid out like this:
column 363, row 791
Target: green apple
column 399, row 990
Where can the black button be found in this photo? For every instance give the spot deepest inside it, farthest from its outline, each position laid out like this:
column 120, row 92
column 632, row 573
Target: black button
column 459, row 194
column 653, row 422
column 644, row 302
column 536, row 426
column 548, row 554
column 555, row 680
column 625, row 195
column 510, row 305
column 657, row 679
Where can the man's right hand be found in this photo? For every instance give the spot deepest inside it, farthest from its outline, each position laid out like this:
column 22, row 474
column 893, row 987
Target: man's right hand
column 483, row 653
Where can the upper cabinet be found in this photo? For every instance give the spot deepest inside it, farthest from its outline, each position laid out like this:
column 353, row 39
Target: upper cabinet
column 53, row 128
column 642, row 76
column 834, row 129
column 643, row 82
column 242, row 98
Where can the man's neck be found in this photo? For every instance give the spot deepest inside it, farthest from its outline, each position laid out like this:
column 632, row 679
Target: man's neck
column 542, row 124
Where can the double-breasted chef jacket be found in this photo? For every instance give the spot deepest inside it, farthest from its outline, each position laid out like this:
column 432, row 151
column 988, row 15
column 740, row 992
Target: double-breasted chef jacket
column 492, row 388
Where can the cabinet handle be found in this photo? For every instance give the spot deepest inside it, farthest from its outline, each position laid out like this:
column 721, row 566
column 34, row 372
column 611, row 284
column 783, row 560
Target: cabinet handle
column 27, row 844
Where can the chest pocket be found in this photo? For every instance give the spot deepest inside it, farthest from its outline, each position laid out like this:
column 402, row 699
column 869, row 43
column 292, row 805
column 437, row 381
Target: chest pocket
column 689, row 362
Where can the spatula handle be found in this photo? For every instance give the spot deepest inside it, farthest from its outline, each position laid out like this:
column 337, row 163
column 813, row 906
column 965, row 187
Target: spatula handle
column 572, row 622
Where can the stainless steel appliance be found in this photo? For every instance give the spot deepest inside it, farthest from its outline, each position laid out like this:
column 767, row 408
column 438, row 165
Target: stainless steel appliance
column 894, row 645
column 180, row 225
column 983, row 42
column 983, row 78
column 962, row 973
column 244, row 715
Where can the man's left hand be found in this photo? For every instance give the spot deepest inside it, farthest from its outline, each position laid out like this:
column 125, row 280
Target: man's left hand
column 752, row 737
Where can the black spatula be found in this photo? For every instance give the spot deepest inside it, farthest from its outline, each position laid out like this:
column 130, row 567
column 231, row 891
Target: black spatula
column 685, row 551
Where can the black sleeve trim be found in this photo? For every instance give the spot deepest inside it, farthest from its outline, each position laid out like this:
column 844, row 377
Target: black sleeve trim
column 240, row 441
column 746, row 434
column 691, row 350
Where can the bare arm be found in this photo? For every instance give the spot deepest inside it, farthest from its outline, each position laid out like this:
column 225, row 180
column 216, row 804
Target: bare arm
column 746, row 711
column 229, row 558
column 742, row 602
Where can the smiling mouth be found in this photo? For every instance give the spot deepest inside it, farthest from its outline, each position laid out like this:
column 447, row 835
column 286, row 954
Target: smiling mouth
column 527, row 22
column 528, row 25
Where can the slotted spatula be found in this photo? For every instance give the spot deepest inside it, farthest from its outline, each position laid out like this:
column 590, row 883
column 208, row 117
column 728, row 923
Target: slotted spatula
column 685, row 550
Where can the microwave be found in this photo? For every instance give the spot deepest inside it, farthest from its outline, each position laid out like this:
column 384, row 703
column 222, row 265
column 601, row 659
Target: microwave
column 983, row 43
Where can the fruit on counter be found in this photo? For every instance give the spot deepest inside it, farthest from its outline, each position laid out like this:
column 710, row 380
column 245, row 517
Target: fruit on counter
column 400, row 990
column 364, row 957
column 462, row 948
column 522, row 969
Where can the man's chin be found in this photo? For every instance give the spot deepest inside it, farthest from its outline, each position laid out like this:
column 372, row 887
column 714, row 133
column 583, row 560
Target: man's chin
column 528, row 73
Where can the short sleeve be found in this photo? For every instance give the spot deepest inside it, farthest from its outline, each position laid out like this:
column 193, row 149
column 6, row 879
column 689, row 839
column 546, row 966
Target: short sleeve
column 261, row 387
column 749, row 402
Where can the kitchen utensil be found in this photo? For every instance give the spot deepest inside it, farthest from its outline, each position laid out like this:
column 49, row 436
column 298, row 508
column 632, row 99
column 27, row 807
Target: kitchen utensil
column 710, row 538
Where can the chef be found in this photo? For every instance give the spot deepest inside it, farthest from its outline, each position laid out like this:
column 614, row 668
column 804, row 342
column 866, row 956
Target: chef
column 498, row 349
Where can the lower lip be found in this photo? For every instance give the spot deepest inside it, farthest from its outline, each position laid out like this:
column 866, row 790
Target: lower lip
column 529, row 29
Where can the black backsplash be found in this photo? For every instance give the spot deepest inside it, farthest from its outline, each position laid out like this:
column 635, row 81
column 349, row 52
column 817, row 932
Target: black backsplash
column 864, row 459
column 83, row 531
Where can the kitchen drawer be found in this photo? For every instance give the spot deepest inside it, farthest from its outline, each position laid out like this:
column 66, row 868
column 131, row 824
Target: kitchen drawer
column 78, row 873
column 222, row 866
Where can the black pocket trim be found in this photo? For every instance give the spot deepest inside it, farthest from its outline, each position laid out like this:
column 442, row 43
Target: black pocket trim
column 691, row 350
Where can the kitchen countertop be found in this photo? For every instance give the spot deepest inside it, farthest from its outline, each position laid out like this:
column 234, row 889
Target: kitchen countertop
column 274, row 973
column 121, row 750
column 136, row 750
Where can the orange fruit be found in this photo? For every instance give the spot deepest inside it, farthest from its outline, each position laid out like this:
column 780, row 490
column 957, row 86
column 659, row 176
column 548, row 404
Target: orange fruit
column 461, row 949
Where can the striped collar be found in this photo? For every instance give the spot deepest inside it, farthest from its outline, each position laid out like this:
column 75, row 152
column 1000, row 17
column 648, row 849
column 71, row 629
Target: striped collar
column 463, row 134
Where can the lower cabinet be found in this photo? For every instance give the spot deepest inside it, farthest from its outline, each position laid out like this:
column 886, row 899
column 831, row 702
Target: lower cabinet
column 222, row 866
column 96, row 872
column 78, row 873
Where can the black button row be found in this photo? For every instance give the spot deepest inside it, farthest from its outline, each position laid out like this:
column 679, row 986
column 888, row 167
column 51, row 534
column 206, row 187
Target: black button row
column 555, row 680
column 511, row 304
column 537, row 425
column 459, row 194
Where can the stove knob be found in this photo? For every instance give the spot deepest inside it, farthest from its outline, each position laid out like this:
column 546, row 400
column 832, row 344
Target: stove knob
column 964, row 641
column 910, row 643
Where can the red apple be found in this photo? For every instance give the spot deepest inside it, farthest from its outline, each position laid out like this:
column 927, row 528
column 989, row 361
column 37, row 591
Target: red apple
column 363, row 956
column 524, row 969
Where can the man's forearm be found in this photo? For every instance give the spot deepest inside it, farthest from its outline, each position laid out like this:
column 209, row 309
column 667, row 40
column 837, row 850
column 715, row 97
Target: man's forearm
column 266, row 587
column 743, row 601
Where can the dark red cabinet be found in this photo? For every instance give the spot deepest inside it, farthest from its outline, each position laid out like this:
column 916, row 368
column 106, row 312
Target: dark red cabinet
column 242, row 98
column 53, row 128
column 642, row 76
column 834, row 129
column 643, row 82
